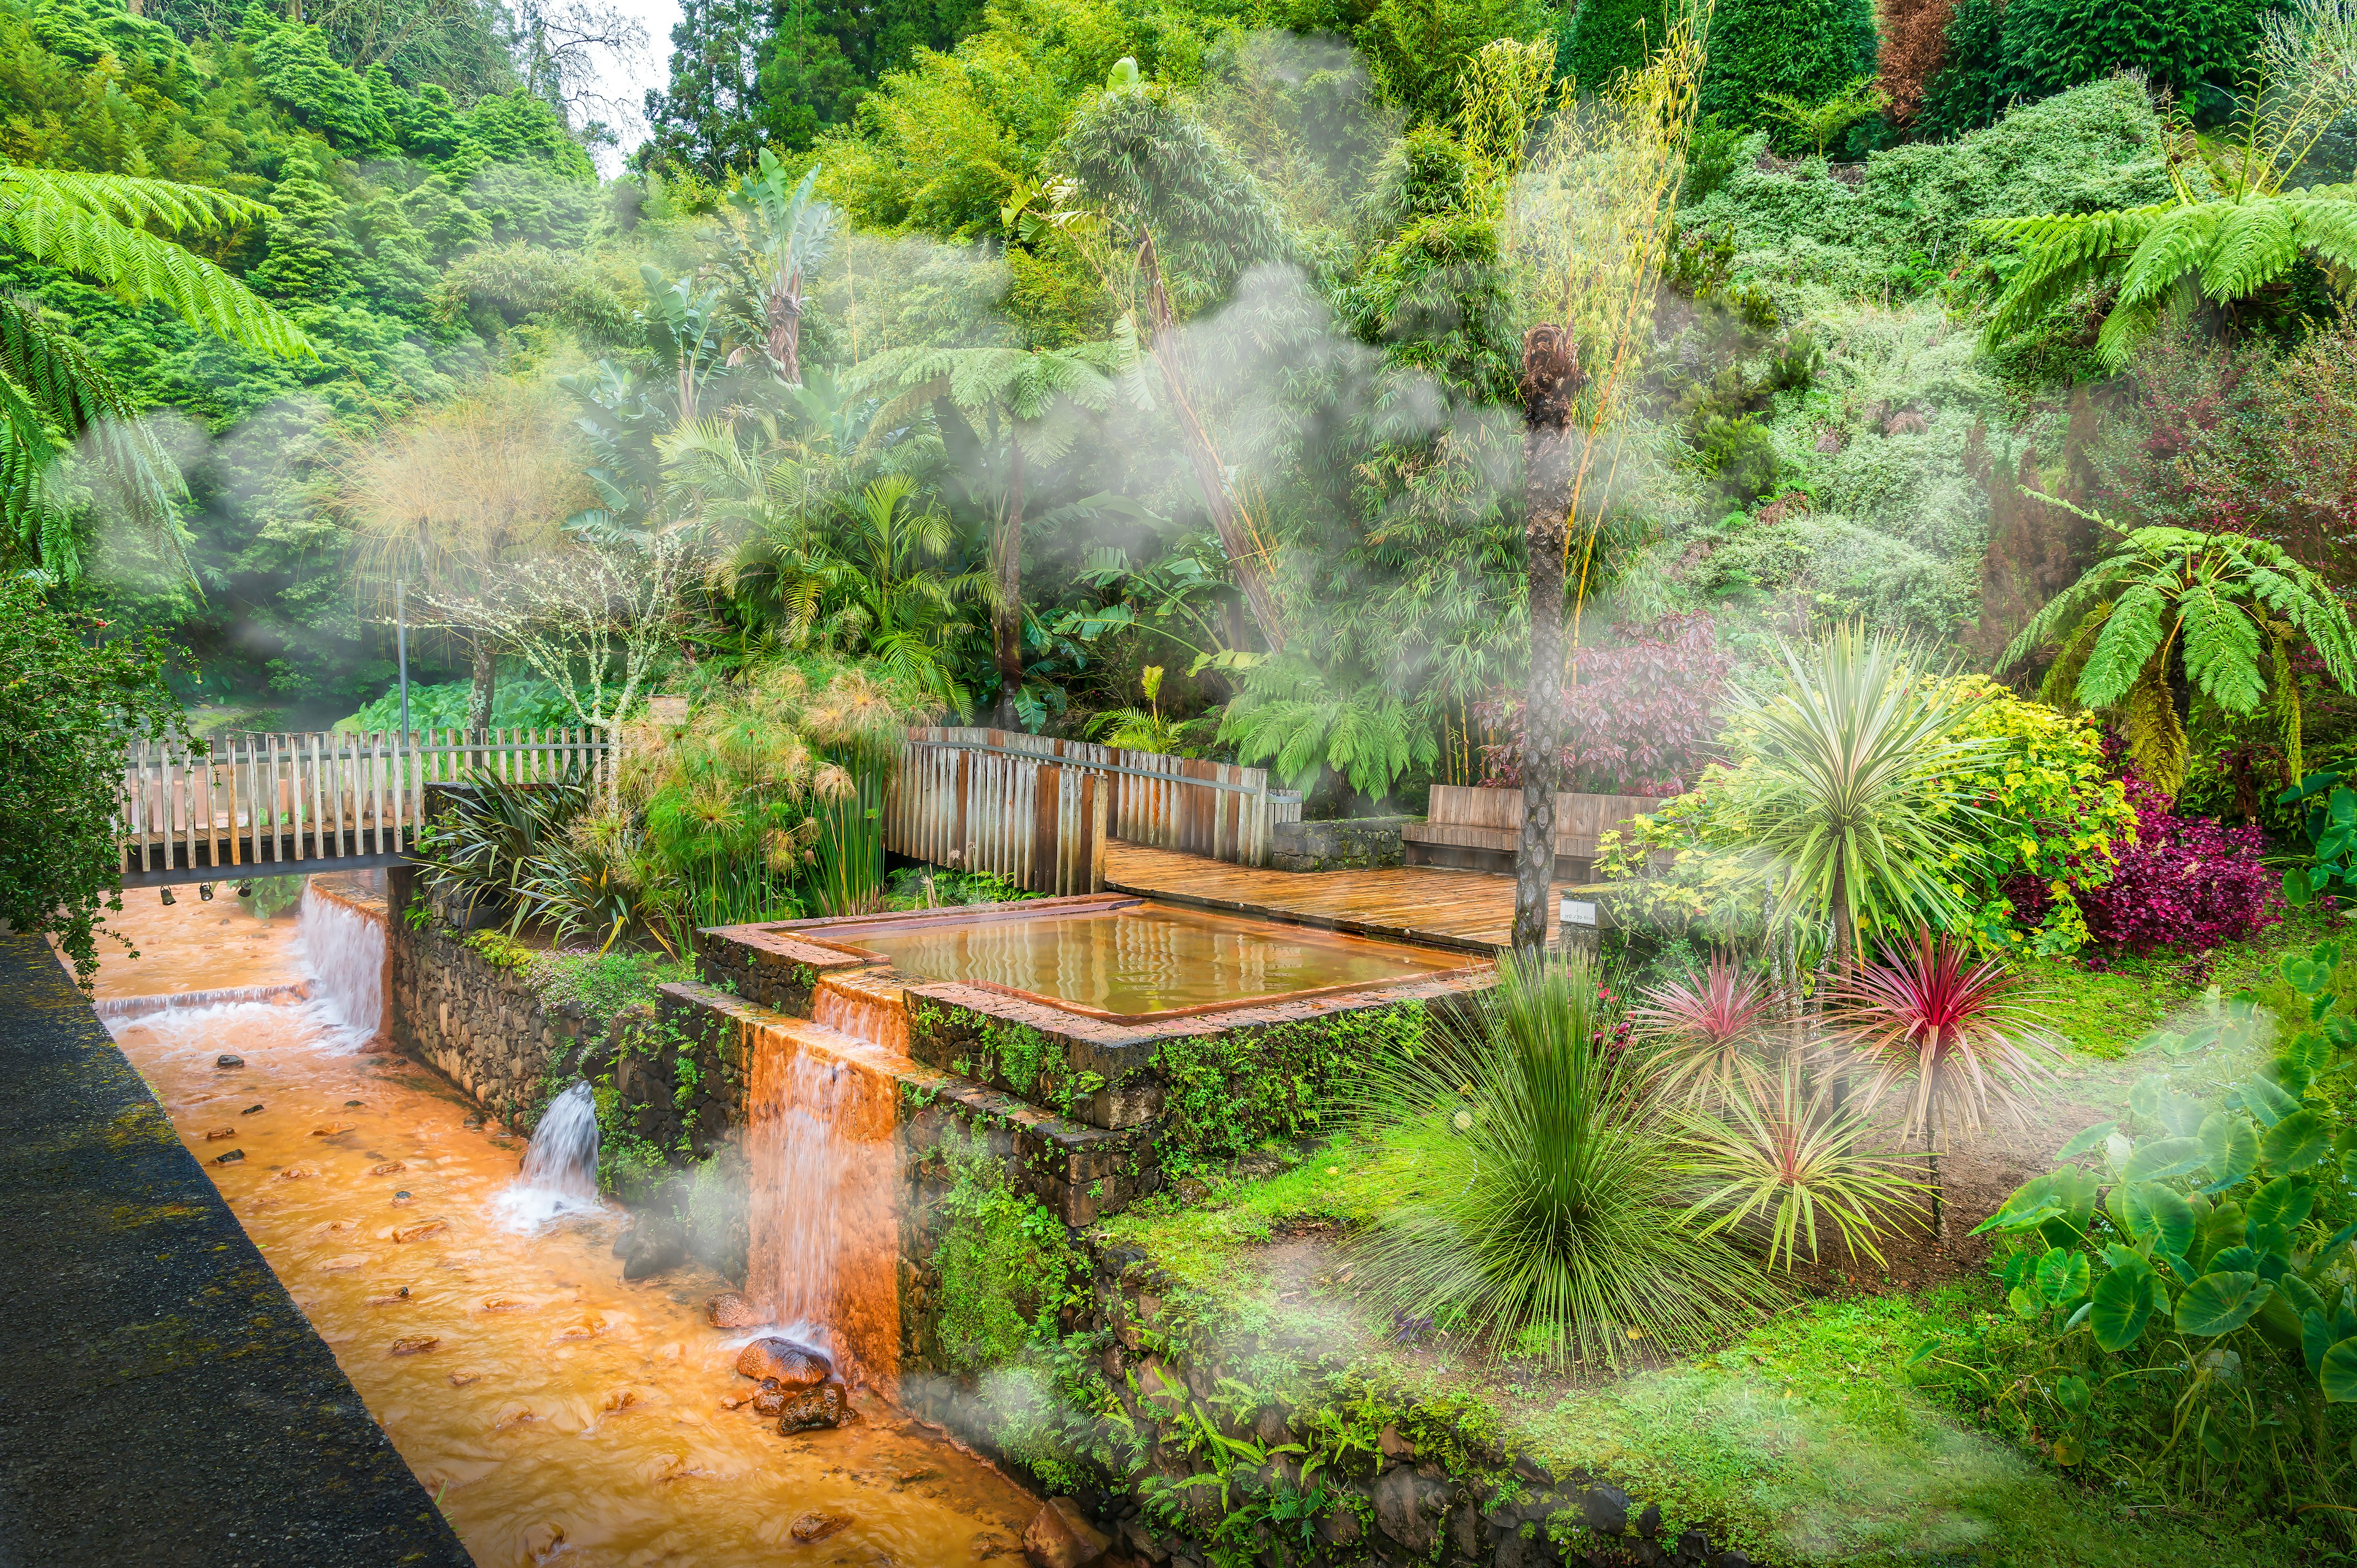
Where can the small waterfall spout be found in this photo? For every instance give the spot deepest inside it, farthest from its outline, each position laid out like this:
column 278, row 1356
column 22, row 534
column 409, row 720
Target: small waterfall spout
column 560, row 1169
column 870, row 1009
column 824, row 1226
column 344, row 945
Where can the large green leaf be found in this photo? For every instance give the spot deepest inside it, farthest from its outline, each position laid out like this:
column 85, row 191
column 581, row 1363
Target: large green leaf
column 2265, row 1099
column 2230, row 1148
column 2338, row 1372
column 2219, row 1304
column 2295, row 1142
column 2163, row 1157
column 2086, row 1140
column 2158, row 1215
column 2062, row 1276
column 2285, row 1201
column 2125, row 1300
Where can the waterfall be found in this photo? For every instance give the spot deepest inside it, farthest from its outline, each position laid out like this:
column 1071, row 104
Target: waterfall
column 876, row 1013
column 344, row 945
column 142, row 1006
column 825, row 1230
column 560, row 1167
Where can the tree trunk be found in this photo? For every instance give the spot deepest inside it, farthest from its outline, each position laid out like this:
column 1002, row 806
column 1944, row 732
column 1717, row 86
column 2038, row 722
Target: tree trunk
column 1006, row 573
column 1551, row 380
column 487, row 674
column 786, row 328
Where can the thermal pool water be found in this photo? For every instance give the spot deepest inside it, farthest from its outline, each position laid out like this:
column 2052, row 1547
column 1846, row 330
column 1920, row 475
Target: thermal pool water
column 559, row 1413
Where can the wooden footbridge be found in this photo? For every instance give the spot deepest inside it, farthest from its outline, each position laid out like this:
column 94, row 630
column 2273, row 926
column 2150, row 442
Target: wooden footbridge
column 292, row 804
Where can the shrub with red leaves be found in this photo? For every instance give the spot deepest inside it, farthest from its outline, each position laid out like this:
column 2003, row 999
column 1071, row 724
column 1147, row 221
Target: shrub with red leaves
column 1641, row 721
column 2186, row 883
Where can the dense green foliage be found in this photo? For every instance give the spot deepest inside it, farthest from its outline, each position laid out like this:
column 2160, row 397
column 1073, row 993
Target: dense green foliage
column 1807, row 49
column 66, row 710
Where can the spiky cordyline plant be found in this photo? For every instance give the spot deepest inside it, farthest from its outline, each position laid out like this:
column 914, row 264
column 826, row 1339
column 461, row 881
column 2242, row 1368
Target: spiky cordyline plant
column 1703, row 1030
column 1839, row 786
column 1781, row 1156
column 1965, row 1032
column 1549, row 1216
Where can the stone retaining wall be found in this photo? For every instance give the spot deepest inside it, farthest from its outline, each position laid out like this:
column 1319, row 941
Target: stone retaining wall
column 1427, row 1490
column 1351, row 844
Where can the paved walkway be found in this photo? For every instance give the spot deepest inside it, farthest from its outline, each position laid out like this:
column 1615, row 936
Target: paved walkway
column 162, row 1401
column 1469, row 910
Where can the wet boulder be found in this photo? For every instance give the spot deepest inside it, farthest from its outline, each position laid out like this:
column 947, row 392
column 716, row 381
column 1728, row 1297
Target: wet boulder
column 769, row 1398
column 729, row 1310
column 1060, row 1536
column 655, row 1246
column 807, row 1410
column 793, row 1366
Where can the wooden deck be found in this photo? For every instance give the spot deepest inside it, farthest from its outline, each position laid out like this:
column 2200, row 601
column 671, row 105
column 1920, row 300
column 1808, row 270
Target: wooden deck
column 1469, row 910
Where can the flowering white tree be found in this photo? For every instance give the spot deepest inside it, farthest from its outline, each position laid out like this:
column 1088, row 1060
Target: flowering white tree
column 593, row 617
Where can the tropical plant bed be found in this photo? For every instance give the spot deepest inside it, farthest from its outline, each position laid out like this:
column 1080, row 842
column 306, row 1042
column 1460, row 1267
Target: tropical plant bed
column 1801, row 1438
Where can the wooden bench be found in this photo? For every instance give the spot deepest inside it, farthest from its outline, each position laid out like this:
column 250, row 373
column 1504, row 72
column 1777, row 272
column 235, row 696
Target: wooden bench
column 1478, row 829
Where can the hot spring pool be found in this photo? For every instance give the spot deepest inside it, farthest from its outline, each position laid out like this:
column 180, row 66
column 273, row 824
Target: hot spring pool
column 1131, row 962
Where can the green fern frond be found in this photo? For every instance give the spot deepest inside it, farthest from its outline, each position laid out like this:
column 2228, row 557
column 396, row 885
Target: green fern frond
column 2060, row 687
column 2130, row 636
column 88, row 238
column 2221, row 648
column 126, row 199
column 2254, row 243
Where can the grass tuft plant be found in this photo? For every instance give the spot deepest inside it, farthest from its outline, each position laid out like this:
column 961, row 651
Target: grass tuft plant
column 1549, row 1217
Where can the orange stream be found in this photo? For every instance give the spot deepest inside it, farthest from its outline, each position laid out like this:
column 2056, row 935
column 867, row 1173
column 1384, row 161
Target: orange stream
column 560, row 1413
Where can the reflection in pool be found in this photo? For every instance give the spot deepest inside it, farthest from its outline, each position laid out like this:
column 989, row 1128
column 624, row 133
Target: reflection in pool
column 1136, row 961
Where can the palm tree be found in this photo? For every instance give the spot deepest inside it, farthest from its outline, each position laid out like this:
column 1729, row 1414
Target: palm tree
column 53, row 397
column 870, row 583
column 2217, row 601
column 1839, row 783
column 1026, row 399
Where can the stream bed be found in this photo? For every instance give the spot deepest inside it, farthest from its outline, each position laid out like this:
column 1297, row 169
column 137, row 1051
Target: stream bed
column 559, row 1413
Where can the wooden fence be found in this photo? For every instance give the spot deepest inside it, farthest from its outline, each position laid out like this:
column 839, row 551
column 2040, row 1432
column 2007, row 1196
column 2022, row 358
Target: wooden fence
column 1038, row 823
column 277, row 804
column 1211, row 809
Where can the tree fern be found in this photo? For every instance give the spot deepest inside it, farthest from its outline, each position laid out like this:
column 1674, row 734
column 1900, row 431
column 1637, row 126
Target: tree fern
column 53, row 397
column 2227, row 605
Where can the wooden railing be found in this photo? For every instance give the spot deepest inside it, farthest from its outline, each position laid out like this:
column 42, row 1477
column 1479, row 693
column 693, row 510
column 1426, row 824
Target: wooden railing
column 1212, row 808
column 279, row 804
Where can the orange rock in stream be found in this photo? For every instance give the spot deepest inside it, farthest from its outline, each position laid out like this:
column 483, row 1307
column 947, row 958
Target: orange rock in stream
column 1060, row 1536
column 419, row 1232
column 730, row 1310
column 332, row 1130
column 214, row 1133
column 790, row 1364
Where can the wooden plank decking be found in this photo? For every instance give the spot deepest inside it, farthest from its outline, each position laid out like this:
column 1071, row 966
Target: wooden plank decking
column 1470, row 910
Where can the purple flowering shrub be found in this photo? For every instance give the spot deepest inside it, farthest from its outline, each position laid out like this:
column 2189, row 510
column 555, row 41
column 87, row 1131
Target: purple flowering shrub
column 2186, row 883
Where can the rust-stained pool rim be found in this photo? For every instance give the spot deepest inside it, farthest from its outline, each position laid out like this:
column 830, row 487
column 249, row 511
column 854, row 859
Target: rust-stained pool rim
column 816, row 932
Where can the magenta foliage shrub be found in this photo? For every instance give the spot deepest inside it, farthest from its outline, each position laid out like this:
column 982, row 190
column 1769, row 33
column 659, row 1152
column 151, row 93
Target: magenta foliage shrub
column 2185, row 883
column 1641, row 720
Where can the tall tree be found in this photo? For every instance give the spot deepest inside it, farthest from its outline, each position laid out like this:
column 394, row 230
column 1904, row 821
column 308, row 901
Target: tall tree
column 709, row 121
column 782, row 239
column 1590, row 219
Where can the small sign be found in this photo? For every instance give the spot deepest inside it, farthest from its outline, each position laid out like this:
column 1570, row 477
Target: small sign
column 1575, row 913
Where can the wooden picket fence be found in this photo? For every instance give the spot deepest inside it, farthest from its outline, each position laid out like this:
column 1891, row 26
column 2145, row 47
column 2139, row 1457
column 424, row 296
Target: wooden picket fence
column 1038, row 810
column 279, row 804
